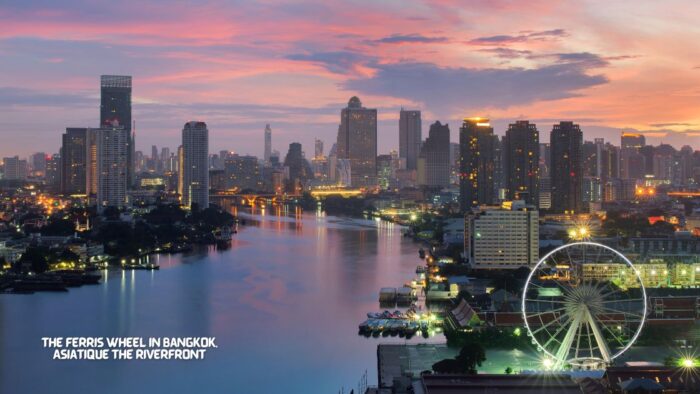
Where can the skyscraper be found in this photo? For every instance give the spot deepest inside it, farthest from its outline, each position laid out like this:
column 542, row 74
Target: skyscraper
column 268, row 144
column 522, row 159
column 410, row 137
column 434, row 157
column 115, row 110
column 74, row 161
column 112, row 144
column 14, row 168
column 357, row 142
column 318, row 148
column 476, row 163
column 566, row 143
column 632, row 164
column 299, row 170
column 195, row 168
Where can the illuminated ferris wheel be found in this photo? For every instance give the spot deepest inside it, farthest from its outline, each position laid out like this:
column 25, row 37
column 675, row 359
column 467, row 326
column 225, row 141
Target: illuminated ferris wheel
column 584, row 304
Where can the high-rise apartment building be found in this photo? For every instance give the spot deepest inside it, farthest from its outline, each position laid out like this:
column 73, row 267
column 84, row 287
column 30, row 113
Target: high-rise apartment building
column 476, row 181
column 357, row 142
column 521, row 162
column 14, row 168
column 502, row 237
column 434, row 157
column 195, row 167
column 115, row 110
column 410, row 137
column 74, row 150
column 566, row 141
column 112, row 145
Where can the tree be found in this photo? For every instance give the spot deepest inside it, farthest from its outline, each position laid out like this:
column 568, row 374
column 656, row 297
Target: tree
column 471, row 356
column 58, row 227
column 36, row 258
column 508, row 370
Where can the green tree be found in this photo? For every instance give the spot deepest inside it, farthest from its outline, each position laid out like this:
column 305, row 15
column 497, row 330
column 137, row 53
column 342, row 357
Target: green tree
column 471, row 356
column 36, row 258
column 508, row 370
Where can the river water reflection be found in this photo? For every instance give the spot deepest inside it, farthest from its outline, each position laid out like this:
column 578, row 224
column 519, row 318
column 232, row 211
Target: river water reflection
column 283, row 302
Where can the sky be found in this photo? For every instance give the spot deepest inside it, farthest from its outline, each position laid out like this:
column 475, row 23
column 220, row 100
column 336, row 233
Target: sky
column 610, row 66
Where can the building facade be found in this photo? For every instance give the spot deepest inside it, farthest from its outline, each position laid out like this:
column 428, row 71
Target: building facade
column 357, row 142
column 502, row 237
column 521, row 159
column 195, row 168
column 112, row 144
column 115, row 110
column 410, row 137
column 74, row 161
column 434, row 157
column 566, row 141
column 476, row 183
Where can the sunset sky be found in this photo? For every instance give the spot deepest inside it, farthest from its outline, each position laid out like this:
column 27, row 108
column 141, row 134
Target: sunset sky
column 237, row 65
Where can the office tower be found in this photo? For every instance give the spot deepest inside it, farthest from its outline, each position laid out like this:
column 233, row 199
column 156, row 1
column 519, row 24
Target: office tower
column 74, row 161
column 195, row 155
column 112, row 145
column 243, row 173
column 357, row 142
column 268, row 144
column 566, row 168
column 14, row 169
column 39, row 164
column 631, row 161
column 53, row 172
column 476, row 163
column 434, row 157
column 522, row 161
column 115, row 110
column 505, row 237
column 610, row 162
column 410, row 137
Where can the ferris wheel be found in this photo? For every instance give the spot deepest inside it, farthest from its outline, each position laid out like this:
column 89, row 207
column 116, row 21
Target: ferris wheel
column 584, row 304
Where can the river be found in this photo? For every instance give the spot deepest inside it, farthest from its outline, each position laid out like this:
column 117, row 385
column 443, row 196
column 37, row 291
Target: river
column 283, row 302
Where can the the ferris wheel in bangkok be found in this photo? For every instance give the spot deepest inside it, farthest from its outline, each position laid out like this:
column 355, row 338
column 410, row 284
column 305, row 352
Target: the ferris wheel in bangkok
column 584, row 304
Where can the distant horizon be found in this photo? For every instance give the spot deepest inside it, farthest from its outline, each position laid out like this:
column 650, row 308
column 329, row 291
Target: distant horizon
column 237, row 67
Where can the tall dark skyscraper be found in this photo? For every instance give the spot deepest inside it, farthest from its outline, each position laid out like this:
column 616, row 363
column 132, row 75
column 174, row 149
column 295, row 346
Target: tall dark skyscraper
column 476, row 140
column 115, row 110
column 299, row 170
column 357, row 142
column 522, row 157
column 434, row 157
column 74, row 161
column 566, row 142
column 410, row 137
column 195, row 165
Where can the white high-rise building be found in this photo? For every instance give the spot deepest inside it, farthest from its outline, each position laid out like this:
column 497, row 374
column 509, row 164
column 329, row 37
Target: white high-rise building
column 268, row 143
column 111, row 148
column 502, row 237
column 195, row 152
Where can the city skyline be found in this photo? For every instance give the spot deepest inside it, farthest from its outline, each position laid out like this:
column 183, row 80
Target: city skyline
column 603, row 73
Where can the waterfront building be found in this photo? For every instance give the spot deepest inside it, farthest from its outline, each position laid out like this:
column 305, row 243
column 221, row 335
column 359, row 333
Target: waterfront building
column 357, row 142
column 268, row 144
column 476, row 181
column 502, row 237
column 521, row 154
column 112, row 144
column 74, row 161
column 434, row 158
column 566, row 168
column 410, row 137
column 243, row 173
column 195, row 154
column 115, row 110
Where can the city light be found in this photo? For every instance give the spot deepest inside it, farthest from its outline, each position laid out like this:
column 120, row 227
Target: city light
column 547, row 363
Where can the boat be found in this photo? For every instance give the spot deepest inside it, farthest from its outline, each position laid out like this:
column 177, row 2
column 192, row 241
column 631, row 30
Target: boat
column 74, row 278
column 223, row 237
column 140, row 266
